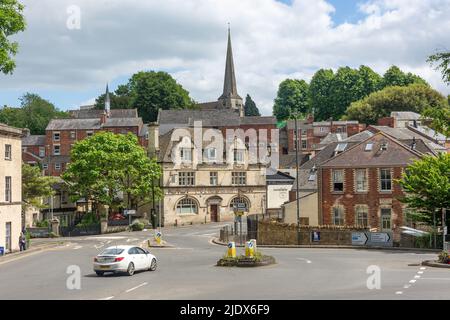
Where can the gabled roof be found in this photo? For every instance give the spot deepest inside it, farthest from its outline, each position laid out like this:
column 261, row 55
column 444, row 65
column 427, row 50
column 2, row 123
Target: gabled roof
column 397, row 154
column 74, row 124
column 405, row 115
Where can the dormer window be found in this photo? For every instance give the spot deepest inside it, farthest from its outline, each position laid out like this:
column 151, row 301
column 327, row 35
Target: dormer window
column 211, row 154
column 186, row 154
column 238, row 156
column 383, row 146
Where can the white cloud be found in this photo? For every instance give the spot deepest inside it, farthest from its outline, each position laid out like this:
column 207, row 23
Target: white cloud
column 271, row 41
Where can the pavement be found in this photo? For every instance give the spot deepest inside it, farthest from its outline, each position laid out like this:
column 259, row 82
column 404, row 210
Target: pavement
column 186, row 270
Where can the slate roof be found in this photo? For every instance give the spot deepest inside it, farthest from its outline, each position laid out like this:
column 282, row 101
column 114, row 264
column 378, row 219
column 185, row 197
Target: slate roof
column 405, row 115
column 170, row 119
column 288, row 161
column 397, row 154
column 123, row 122
column 97, row 113
column 74, row 124
column 279, row 176
column 33, row 140
column 304, row 183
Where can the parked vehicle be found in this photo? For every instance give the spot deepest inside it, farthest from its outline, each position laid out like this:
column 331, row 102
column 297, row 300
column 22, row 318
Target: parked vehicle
column 127, row 259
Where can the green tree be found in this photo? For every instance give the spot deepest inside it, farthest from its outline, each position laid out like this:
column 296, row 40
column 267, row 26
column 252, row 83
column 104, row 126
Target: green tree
column 292, row 97
column 440, row 119
column 250, row 108
column 442, row 59
column 320, row 94
column 415, row 97
column 34, row 113
column 12, row 21
column 107, row 165
column 35, row 186
column 396, row 77
column 427, row 186
column 148, row 91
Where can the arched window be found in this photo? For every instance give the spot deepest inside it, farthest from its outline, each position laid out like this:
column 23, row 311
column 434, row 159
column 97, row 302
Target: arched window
column 187, row 206
column 239, row 203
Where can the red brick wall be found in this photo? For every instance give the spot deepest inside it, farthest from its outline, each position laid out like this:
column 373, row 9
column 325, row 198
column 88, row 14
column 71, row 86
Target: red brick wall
column 387, row 121
column 350, row 198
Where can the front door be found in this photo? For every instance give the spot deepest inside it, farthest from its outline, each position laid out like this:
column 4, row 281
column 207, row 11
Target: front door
column 214, row 215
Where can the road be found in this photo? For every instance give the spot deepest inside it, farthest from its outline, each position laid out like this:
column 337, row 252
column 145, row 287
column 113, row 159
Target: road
column 187, row 271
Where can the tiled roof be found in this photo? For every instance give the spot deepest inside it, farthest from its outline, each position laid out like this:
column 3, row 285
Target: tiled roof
column 74, row 124
column 33, row 140
column 123, row 122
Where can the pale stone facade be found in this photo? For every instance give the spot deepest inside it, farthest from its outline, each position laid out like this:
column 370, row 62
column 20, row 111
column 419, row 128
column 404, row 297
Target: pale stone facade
column 197, row 192
column 10, row 187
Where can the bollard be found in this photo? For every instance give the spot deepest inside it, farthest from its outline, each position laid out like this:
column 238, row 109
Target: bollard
column 231, row 252
column 158, row 237
column 255, row 248
column 249, row 249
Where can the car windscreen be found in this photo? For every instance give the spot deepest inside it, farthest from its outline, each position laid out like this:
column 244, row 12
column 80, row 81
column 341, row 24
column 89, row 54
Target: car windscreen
column 112, row 252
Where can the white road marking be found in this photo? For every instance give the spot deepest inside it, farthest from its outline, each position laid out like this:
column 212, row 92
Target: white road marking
column 412, row 281
column 141, row 285
column 406, row 286
column 423, row 268
column 416, row 277
column 420, row 272
column 307, row 261
column 399, row 292
column 104, row 238
column 77, row 247
column 107, row 298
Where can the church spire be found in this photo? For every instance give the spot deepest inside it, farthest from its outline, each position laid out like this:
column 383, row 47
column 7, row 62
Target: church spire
column 107, row 101
column 230, row 97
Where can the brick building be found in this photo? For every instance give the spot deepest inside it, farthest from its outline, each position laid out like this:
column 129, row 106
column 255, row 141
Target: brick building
column 357, row 186
column 313, row 133
column 52, row 150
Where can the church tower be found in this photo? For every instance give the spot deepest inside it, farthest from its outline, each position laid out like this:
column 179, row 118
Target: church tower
column 230, row 98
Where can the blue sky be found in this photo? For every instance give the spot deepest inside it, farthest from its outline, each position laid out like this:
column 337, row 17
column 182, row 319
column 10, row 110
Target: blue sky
column 187, row 38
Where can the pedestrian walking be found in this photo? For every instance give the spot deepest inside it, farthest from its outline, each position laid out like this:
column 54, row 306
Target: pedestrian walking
column 22, row 242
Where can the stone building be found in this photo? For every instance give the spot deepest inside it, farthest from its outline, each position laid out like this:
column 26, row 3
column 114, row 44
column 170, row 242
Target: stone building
column 10, row 187
column 208, row 191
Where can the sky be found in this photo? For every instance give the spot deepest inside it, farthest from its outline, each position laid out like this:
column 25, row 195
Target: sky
column 72, row 48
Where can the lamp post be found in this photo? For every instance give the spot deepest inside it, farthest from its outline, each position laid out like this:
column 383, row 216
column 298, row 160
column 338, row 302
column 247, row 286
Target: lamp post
column 444, row 228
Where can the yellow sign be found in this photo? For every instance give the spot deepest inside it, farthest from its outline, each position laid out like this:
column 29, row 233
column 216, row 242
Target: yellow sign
column 249, row 249
column 158, row 238
column 231, row 252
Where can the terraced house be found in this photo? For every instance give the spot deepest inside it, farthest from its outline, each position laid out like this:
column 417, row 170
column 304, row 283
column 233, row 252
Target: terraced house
column 358, row 186
column 10, row 188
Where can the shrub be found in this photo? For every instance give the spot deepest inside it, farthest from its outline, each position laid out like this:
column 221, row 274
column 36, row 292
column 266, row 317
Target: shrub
column 88, row 219
column 137, row 226
column 444, row 257
column 42, row 224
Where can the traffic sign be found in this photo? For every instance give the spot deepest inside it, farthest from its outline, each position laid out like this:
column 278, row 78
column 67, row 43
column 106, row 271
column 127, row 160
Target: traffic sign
column 359, row 238
column 380, row 237
column 129, row 212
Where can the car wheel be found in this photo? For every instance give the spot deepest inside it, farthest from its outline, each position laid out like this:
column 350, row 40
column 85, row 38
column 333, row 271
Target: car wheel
column 99, row 273
column 153, row 265
column 130, row 270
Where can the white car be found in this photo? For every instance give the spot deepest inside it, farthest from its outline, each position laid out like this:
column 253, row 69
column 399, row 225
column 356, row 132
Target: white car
column 126, row 259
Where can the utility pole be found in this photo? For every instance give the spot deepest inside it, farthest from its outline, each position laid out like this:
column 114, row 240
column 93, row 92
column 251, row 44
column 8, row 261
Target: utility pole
column 444, row 228
column 297, row 177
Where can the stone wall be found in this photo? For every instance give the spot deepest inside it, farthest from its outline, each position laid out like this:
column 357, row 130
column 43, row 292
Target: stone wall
column 274, row 233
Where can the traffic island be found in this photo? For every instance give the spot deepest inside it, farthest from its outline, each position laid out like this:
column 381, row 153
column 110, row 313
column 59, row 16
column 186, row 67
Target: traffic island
column 435, row 264
column 442, row 262
column 258, row 260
